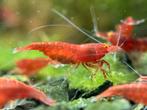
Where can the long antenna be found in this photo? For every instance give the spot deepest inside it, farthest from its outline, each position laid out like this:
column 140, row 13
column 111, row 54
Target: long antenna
column 135, row 23
column 123, row 43
column 49, row 25
column 119, row 35
column 93, row 15
column 75, row 26
column 132, row 69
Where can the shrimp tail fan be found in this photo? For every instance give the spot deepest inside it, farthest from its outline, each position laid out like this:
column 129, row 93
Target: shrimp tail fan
column 37, row 94
column 33, row 46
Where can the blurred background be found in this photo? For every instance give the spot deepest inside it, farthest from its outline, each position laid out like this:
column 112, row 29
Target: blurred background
column 19, row 20
column 19, row 17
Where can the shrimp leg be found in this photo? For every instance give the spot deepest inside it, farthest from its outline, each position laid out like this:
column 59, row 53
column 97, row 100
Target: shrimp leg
column 86, row 65
column 100, row 65
column 105, row 62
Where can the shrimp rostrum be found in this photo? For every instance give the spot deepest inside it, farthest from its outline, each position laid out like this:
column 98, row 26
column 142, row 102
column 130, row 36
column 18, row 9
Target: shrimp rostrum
column 89, row 54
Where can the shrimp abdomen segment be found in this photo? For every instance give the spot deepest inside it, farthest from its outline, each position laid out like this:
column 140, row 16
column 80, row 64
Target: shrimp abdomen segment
column 60, row 51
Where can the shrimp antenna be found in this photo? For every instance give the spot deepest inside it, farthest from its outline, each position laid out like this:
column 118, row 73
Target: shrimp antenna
column 49, row 25
column 140, row 21
column 119, row 35
column 93, row 15
column 117, row 44
column 75, row 26
column 123, row 43
column 136, row 22
column 132, row 68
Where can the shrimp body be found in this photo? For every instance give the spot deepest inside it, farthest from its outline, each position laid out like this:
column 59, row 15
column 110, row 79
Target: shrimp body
column 134, row 91
column 12, row 89
column 67, row 53
column 126, row 27
column 29, row 67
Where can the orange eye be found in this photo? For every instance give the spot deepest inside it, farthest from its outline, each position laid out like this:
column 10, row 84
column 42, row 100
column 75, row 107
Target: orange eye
column 110, row 34
column 106, row 45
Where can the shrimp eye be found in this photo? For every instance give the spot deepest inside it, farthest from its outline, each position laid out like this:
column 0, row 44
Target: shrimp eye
column 106, row 45
column 110, row 34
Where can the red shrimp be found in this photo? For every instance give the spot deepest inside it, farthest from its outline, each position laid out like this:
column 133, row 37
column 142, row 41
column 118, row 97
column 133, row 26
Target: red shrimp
column 67, row 53
column 30, row 67
column 125, row 28
column 126, row 38
column 129, row 44
column 134, row 91
column 11, row 89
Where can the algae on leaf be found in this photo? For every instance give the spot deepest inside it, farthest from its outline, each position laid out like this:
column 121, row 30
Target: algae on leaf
column 118, row 104
column 57, row 88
